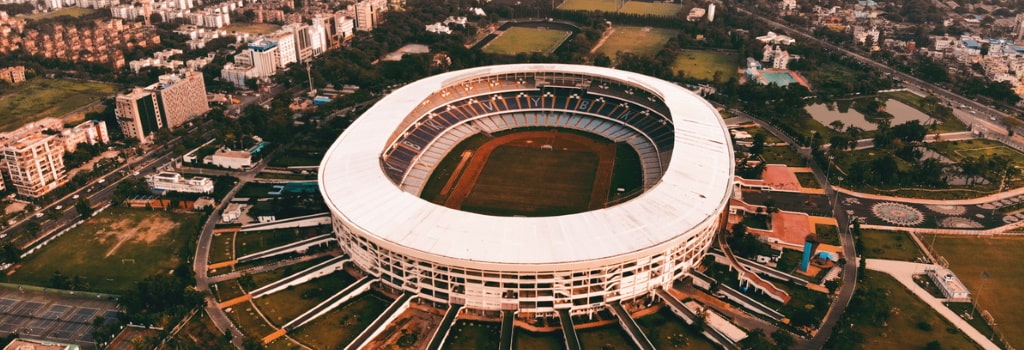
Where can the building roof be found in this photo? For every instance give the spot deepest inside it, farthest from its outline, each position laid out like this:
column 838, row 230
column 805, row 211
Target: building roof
column 693, row 191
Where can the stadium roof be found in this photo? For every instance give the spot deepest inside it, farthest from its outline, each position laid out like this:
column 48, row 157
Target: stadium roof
column 694, row 189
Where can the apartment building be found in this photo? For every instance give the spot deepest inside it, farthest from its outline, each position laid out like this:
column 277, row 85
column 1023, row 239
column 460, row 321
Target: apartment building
column 91, row 132
column 181, row 97
column 370, row 14
column 138, row 114
column 13, row 75
column 35, row 164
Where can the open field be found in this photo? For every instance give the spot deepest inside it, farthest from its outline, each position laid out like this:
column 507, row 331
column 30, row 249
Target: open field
column 523, row 39
column 251, row 242
column 473, row 335
column 668, row 331
column 974, row 258
column 340, row 326
column 704, row 65
column 40, row 97
column 783, row 155
column 959, row 150
column 526, row 340
column 246, row 318
column 638, row 40
column 888, row 245
column 222, row 247
column 227, row 290
column 911, row 324
column 606, row 337
column 651, row 8
column 286, row 305
column 67, row 11
column 590, row 5
column 265, row 278
column 113, row 250
column 252, row 28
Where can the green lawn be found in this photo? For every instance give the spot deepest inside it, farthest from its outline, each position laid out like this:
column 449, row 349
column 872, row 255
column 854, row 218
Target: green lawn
column 201, row 333
column 252, row 28
column 959, row 150
column 999, row 293
column 668, row 331
column 473, row 335
column 227, row 290
column 807, row 180
column 783, row 155
column 221, row 247
column 590, row 5
column 244, row 316
column 651, row 8
column 638, row 40
column 606, row 337
column 522, row 39
column 905, row 327
column 296, row 158
column 284, row 306
column 828, row 234
column 340, row 326
column 113, row 250
column 526, row 340
column 892, row 245
column 265, row 278
column 67, row 11
column 40, row 97
column 257, row 241
column 704, row 65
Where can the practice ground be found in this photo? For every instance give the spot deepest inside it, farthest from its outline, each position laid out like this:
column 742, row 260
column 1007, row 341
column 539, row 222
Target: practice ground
column 638, row 40
column 67, row 11
column 591, row 5
column 41, row 97
column 974, row 258
column 704, row 65
column 252, row 28
column 524, row 39
column 533, row 173
column 113, row 250
column 651, row 8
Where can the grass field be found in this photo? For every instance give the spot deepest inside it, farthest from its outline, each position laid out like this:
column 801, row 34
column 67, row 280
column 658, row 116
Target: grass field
column 251, row 242
column 522, row 39
column 959, row 150
column 651, row 8
column 807, row 180
column 222, row 247
column 244, row 316
column 889, row 245
column 227, row 290
column 473, row 335
column 668, row 331
column 828, row 234
column 67, row 11
column 265, row 278
column 638, row 40
column 903, row 329
column 201, row 333
column 252, row 28
column 606, row 337
column 113, row 250
column 704, row 65
column 41, row 97
column 526, row 340
column 340, row 326
column 1000, row 292
column 531, row 181
column 284, row 306
column 590, row 5
column 783, row 155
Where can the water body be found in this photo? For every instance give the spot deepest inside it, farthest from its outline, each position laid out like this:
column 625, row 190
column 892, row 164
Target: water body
column 841, row 111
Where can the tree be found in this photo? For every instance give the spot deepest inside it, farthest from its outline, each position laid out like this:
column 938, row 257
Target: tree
column 832, row 285
column 757, row 146
column 83, row 207
column 933, row 345
column 10, row 253
column 33, row 227
column 783, row 339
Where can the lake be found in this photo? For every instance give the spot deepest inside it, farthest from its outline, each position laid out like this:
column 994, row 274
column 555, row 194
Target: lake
column 900, row 111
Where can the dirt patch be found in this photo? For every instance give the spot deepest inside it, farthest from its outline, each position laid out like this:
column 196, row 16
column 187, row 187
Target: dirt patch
column 118, row 232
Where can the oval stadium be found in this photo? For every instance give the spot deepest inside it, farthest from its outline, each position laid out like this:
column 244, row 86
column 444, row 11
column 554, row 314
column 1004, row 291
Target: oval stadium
column 533, row 188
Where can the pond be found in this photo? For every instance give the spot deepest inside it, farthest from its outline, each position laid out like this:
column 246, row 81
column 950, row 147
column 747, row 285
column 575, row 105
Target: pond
column 842, row 111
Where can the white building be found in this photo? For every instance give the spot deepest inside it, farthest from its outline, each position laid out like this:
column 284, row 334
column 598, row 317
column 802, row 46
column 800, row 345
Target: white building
column 227, row 158
column 776, row 39
column 167, row 181
column 369, row 14
column 259, row 61
column 438, row 28
column 285, row 41
column 949, row 284
column 91, row 132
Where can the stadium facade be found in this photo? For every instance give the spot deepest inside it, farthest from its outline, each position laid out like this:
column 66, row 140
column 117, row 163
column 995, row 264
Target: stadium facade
column 372, row 176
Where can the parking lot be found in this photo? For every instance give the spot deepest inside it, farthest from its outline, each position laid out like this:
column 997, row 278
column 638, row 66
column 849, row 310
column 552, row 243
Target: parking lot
column 54, row 317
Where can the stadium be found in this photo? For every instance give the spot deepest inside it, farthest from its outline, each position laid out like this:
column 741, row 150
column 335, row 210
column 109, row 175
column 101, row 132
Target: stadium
column 533, row 188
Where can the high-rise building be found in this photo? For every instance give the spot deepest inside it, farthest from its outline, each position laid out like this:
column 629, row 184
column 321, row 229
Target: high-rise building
column 35, row 164
column 344, row 26
column 369, row 14
column 181, row 98
column 13, row 74
column 303, row 40
column 138, row 114
column 285, row 41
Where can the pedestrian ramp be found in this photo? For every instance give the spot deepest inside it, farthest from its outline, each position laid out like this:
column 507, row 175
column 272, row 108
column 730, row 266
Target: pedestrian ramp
column 508, row 329
column 572, row 340
column 301, row 277
column 441, row 333
column 390, row 314
column 629, row 325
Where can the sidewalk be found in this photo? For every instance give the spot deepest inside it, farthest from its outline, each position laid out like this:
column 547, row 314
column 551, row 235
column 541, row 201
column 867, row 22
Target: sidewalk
column 904, row 271
column 971, row 201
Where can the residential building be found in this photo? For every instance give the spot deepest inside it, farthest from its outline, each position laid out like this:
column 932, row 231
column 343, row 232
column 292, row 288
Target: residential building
column 303, row 40
column 369, row 14
column 91, row 132
column 181, row 97
column 168, row 181
column 138, row 114
column 13, row 75
column 35, row 164
column 285, row 41
column 949, row 284
column 344, row 26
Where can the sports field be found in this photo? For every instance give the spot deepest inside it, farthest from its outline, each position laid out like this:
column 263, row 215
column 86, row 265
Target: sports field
column 40, row 97
column 591, row 5
column 991, row 269
column 704, row 64
column 639, row 40
column 651, row 8
column 536, row 173
column 525, row 39
column 113, row 250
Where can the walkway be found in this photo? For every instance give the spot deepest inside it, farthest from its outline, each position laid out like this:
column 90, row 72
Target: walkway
column 385, row 318
column 629, row 325
column 441, row 333
column 508, row 329
column 352, row 291
column 289, row 248
column 764, row 270
column 294, row 279
column 268, row 267
column 743, row 299
column 904, row 272
column 572, row 340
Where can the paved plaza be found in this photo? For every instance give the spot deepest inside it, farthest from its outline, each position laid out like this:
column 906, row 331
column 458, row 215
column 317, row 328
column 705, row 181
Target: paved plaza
column 54, row 317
